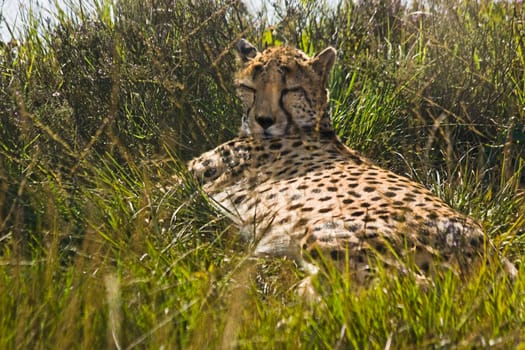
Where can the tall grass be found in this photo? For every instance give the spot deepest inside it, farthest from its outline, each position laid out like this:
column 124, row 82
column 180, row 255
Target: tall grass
column 105, row 241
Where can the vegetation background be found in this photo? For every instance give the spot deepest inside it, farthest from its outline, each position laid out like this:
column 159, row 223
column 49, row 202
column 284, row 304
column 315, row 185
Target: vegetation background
column 102, row 107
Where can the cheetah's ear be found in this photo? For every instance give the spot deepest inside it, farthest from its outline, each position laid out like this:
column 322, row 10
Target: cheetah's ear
column 323, row 62
column 245, row 50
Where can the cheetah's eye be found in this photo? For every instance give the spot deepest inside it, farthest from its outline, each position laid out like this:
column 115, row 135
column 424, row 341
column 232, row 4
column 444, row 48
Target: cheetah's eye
column 294, row 93
column 243, row 87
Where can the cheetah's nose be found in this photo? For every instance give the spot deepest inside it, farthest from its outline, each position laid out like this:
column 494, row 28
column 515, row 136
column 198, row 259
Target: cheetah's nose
column 264, row 121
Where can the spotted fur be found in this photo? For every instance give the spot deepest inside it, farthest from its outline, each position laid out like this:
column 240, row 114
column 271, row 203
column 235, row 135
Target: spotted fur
column 293, row 188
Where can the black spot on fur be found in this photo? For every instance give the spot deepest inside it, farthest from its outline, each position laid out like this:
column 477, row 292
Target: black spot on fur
column 327, row 133
column 336, row 255
column 476, row 242
column 239, row 199
column 356, row 159
column 263, row 157
column 235, row 173
column 399, row 218
column 301, row 222
column 432, row 216
column 380, row 247
column 371, row 235
column 368, row 219
column 210, row 172
column 409, row 197
column 360, row 258
column 314, row 254
column 275, row 146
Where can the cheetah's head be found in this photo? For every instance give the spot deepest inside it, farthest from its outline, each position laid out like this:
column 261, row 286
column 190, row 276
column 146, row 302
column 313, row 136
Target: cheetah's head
column 283, row 91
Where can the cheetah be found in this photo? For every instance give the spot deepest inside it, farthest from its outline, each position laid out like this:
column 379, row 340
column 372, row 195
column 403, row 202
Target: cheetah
column 294, row 189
